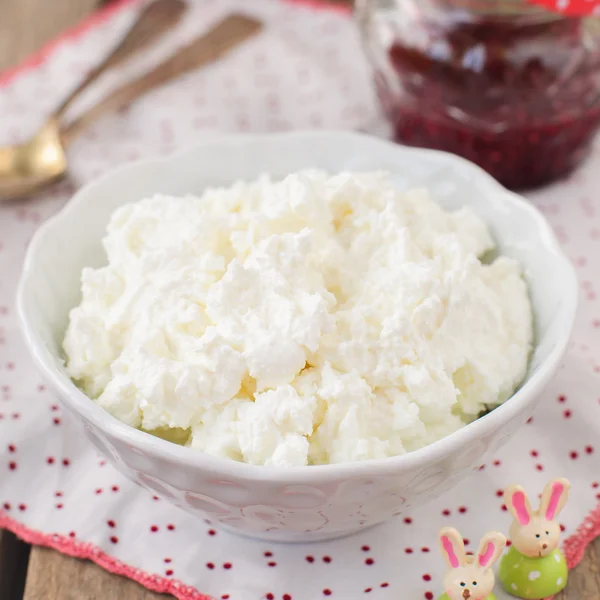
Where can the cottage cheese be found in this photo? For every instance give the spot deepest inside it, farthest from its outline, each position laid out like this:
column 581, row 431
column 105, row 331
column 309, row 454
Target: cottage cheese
column 318, row 319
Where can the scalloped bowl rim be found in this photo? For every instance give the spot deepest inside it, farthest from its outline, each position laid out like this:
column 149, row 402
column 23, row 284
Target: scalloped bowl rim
column 432, row 453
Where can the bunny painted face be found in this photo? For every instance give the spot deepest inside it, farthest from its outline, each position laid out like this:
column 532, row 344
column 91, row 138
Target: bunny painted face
column 470, row 577
column 535, row 533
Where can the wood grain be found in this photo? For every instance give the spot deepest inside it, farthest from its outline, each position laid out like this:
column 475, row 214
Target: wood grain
column 26, row 25
column 14, row 555
column 584, row 581
column 52, row 576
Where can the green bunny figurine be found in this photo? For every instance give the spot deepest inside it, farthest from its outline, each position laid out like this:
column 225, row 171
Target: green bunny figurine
column 535, row 567
column 470, row 577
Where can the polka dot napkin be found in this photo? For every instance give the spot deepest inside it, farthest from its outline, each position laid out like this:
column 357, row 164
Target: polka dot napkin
column 305, row 71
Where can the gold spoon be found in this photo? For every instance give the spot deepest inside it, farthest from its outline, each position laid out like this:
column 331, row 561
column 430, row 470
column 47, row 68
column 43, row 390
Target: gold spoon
column 26, row 167
column 35, row 164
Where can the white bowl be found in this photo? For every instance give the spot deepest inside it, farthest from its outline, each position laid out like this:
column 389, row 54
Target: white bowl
column 302, row 503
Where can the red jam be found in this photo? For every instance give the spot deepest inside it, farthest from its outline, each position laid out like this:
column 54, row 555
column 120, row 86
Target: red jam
column 521, row 98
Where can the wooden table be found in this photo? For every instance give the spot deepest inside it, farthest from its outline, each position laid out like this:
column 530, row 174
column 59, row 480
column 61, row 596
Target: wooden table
column 41, row 574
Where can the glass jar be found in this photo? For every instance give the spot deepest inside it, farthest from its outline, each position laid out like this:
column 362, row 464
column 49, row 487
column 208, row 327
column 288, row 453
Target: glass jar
column 506, row 84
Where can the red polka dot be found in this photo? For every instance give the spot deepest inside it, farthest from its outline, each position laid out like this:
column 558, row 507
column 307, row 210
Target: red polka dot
column 446, row 512
column 6, row 506
column 114, row 539
column 562, row 528
column 169, row 572
column 503, row 507
column 428, row 595
column 58, row 494
column 408, row 520
column 529, row 421
column 54, row 407
column 426, row 577
column 210, row 565
column 562, row 398
column 462, row 510
column 50, row 460
column 12, row 466
column 154, row 528
column 15, row 416
column 589, row 450
column 466, row 541
column 227, row 565
column 499, row 493
column 267, row 554
column 327, row 559
column 111, row 524
column 539, row 467
column 408, row 550
column 595, row 484
column 384, row 584
column 168, row 560
column 496, row 463
column 368, row 590
column 71, row 534
column 425, row 549
column 270, row 596
column 365, row 548
column 56, row 421
column 115, row 488
column 12, row 448
column 534, row 453
column 213, row 532
column 326, row 592
column 567, row 414
column 59, row 506
column 369, row 561
column 66, row 462
column 272, row 563
column 225, row 597
column 573, row 455
column 98, row 490
column 171, row 527
column 286, row 597
column 155, row 498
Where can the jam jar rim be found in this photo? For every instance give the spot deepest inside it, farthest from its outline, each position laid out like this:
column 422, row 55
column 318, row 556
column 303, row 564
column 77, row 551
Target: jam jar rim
column 517, row 10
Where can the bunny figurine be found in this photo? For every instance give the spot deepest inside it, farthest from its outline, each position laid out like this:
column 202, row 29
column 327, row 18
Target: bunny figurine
column 534, row 567
column 470, row 577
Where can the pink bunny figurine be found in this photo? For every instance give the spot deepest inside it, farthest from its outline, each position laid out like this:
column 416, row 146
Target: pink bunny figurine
column 534, row 567
column 470, row 577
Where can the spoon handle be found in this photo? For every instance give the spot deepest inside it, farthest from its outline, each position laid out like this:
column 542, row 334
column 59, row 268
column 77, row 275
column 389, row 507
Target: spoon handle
column 153, row 21
column 226, row 35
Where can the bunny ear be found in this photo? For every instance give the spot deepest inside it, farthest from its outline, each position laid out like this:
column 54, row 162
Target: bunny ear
column 453, row 547
column 490, row 548
column 554, row 497
column 517, row 503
